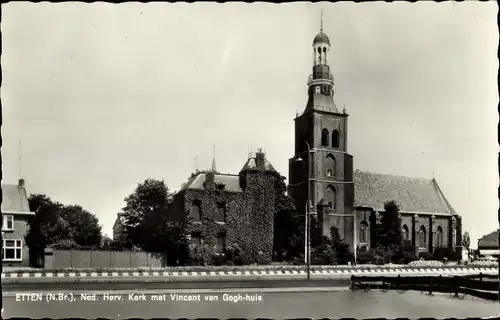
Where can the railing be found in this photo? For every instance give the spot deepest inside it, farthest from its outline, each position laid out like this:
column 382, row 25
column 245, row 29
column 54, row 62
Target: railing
column 319, row 76
column 485, row 286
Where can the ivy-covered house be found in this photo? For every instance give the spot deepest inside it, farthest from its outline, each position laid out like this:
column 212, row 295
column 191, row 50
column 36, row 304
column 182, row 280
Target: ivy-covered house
column 230, row 209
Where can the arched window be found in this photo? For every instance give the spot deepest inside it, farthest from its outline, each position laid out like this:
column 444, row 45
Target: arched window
column 422, row 238
column 439, row 237
column 331, row 166
column 406, row 232
column 363, row 232
column 331, row 197
column 335, row 139
column 196, row 210
column 324, row 137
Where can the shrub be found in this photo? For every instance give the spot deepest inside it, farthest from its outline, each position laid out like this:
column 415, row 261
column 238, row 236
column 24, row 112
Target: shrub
column 365, row 257
column 425, row 255
column 449, row 253
column 408, row 257
column 217, row 259
column 424, row 263
column 65, row 245
column 378, row 260
column 323, row 255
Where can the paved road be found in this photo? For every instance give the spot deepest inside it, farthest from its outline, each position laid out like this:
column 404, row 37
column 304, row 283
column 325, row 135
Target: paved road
column 268, row 303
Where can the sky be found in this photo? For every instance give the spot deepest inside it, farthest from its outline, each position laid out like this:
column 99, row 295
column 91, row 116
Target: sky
column 102, row 96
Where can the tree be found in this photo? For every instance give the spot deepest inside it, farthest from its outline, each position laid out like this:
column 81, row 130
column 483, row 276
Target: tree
column 390, row 231
column 106, row 243
column 466, row 243
column 286, row 226
column 46, row 227
column 147, row 225
column 342, row 249
column 85, row 228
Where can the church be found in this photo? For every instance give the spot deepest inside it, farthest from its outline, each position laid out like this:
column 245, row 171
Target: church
column 321, row 172
column 228, row 209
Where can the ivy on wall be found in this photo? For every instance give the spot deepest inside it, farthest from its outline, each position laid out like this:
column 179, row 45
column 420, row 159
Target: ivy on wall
column 249, row 221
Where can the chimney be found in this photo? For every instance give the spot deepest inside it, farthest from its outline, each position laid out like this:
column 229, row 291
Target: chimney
column 21, row 182
column 260, row 159
column 210, row 180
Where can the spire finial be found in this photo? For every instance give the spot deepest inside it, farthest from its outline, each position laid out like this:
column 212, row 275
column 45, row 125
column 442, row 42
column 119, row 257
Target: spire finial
column 321, row 20
column 214, row 168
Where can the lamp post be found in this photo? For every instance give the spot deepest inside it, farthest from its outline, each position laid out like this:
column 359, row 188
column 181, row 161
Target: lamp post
column 309, row 206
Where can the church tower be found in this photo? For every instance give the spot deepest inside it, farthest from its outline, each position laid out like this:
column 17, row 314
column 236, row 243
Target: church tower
column 322, row 129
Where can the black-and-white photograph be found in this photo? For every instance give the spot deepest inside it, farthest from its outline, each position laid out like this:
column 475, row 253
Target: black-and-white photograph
column 250, row 160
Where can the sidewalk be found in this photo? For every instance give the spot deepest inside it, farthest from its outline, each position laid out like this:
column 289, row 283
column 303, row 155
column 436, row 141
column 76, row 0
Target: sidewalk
column 292, row 273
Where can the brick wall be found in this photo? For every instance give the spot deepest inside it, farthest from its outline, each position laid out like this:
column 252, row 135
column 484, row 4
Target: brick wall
column 20, row 230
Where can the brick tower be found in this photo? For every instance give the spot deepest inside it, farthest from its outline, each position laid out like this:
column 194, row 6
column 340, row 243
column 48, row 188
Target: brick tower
column 323, row 128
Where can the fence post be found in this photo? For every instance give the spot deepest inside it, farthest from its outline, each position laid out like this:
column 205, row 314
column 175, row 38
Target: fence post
column 398, row 281
column 455, row 283
column 480, row 277
column 130, row 259
column 430, row 286
column 91, row 260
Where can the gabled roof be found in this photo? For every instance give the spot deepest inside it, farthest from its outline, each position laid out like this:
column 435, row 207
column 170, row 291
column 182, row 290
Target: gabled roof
column 230, row 181
column 415, row 195
column 15, row 199
column 250, row 164
column 489, row 241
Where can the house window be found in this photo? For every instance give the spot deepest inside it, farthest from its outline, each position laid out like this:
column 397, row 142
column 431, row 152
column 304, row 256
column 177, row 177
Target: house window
column 330, row 164
column 335, row 139
column 363, row 232
column 196, row 210
column 221, row 243
column 324, row 137
column 422, row 238
column 221, row 212
column 318, row 89
column 439, row 237
column 8, row 223
column 12, row 250
column 406, row 233
column 330, row 205
column 196, row 239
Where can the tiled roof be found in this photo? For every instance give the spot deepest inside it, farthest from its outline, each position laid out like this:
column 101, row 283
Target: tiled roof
column 250, row 164
column 418, row 195
column 15, row 199
column 230, row 181
column 489, row 241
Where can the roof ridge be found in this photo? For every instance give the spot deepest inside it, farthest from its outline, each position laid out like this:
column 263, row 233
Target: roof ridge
column 393, row 175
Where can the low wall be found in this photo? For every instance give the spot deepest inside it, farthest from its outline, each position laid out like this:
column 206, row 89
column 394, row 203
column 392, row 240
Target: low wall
column 79, row 259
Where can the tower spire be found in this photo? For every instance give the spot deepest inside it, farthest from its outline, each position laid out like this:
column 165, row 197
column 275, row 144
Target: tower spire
column 321, row 28
column 214, row 168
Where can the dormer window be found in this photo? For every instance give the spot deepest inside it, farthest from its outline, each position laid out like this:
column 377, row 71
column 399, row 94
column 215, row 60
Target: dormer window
column 8, row 223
